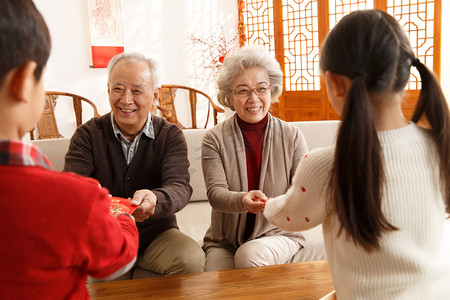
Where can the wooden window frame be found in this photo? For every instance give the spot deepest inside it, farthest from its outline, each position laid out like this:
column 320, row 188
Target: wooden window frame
column 314, row 105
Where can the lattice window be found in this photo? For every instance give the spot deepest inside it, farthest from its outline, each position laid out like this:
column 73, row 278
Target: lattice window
column 300, row 31
column 417, row 18
column 259, row 23
column 339, row 8
column 301, row 45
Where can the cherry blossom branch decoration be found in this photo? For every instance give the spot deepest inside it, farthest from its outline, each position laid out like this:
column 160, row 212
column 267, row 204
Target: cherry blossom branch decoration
column 213, row 49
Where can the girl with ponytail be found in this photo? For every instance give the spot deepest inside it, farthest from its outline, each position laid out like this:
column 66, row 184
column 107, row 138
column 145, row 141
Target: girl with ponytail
column 382, row 193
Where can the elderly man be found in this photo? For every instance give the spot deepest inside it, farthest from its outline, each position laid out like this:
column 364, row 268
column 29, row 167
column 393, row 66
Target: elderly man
column 139, row 155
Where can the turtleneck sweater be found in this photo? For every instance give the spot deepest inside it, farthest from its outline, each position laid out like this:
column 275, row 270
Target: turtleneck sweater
column 253, row 134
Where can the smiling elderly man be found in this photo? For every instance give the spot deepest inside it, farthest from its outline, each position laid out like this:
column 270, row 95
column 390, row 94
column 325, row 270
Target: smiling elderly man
column 139, row 155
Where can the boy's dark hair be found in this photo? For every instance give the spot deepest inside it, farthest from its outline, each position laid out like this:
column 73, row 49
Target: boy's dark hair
column 370, row 47
column 24, row 37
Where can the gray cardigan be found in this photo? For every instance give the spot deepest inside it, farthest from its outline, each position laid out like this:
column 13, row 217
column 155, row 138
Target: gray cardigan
column 225, row 174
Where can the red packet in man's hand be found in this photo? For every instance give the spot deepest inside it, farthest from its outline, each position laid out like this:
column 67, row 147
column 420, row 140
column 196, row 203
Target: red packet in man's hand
column 121, row 205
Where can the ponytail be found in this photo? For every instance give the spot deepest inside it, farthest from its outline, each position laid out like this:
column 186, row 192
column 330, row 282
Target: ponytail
column 433, row 105
column 357, row 175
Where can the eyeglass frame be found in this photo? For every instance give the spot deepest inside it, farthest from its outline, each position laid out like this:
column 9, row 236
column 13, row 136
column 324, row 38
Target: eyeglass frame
column 251, row 91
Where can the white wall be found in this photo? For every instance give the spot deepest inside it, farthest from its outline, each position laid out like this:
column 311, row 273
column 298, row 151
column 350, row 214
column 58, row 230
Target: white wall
column 159, row 29
column 155, row 28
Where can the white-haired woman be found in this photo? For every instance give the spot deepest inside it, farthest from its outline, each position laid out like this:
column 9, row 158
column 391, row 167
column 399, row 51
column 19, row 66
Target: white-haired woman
column 247, row 158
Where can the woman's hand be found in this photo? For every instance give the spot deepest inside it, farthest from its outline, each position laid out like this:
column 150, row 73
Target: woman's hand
column 146, row 200
column 254, row 201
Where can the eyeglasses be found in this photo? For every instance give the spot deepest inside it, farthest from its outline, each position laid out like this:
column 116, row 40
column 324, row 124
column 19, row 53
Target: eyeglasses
column 247, row 92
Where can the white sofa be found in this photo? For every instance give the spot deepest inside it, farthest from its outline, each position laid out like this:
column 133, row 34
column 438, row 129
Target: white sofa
column 194, row 219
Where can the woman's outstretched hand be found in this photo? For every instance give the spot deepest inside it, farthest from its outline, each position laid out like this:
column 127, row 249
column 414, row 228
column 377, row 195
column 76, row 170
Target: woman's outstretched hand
column 254, row 201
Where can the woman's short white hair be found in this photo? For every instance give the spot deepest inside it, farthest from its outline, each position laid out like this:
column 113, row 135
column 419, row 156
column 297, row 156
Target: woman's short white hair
column 244, row 58
column 152, row 64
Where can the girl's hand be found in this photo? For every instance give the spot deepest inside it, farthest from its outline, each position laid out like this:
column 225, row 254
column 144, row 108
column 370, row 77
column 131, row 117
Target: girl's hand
column 254, row 201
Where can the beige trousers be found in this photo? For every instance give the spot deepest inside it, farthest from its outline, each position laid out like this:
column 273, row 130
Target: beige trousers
column 171, row 253
column 265, row 251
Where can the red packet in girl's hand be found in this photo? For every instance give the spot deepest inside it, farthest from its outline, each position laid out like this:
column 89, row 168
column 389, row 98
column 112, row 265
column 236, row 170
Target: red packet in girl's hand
column 121, row 205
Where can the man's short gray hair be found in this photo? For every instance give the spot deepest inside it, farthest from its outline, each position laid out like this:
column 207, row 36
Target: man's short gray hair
column 152, row 64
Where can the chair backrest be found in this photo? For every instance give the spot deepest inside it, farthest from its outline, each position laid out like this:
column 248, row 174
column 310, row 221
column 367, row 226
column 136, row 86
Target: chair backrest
column 47, row 126
column 167, row 105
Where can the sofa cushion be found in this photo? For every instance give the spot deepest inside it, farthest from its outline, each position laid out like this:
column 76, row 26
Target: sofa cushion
column 198, row 213
column 318, row 133
column 194, row 138
column 55, row 149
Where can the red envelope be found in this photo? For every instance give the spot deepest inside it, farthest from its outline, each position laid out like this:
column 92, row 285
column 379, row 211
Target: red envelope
column 121, row 205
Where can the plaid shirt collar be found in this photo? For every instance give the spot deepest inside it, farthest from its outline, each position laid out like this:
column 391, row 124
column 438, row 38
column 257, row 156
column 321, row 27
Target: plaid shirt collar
column 147, row 130
column 18, row 153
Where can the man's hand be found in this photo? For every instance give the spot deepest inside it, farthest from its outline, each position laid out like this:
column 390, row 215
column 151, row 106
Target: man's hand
column 254, row 201
column 146, row 200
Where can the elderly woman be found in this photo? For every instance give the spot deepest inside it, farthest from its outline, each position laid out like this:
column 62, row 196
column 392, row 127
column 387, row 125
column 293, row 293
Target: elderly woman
column 246, row 159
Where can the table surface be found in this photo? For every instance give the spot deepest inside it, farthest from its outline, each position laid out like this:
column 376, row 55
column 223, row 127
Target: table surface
column 306, row 280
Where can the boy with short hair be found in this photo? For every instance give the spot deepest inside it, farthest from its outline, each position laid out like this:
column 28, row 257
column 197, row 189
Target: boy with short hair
column 56, row 227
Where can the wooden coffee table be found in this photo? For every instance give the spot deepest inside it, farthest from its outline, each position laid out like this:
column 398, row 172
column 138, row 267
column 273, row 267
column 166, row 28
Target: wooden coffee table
column 307, row 280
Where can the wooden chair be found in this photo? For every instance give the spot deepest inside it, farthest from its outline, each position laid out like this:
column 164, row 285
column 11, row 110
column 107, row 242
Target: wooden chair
column 167, row 105
column 47, row 127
